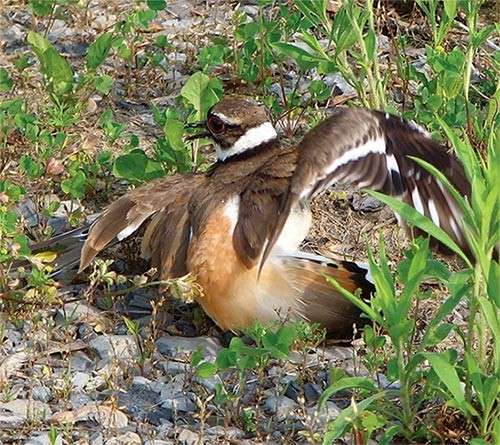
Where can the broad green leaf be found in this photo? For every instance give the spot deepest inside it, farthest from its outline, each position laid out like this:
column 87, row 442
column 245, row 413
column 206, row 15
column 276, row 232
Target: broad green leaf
column 450, row 7
column 174, row 130
column 103, row 84
column 75, row 185
column 42, row 7
column 156, row 5
column 206, row 370
column 136, row 166
column 194, row 91
column 99, row 50
column 449, row 377
column 38, row 43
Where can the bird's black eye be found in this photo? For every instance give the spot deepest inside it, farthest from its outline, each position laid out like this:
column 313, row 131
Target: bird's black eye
column 216, row 125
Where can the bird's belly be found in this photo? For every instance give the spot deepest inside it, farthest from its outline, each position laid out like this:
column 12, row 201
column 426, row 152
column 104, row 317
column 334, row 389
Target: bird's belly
column 232, row 292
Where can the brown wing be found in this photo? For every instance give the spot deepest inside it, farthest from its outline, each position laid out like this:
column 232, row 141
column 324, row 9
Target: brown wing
column 260, row 202
column 368, row 149
column 165, row 200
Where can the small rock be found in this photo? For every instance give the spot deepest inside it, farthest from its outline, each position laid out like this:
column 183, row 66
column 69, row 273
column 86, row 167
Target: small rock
column 123, row 347
column 159, row 442
column 43, row 439
column 77, row 313
column 365, row 203
column 79, row 399
column 280, row 406
column 79, row 380
column 173, row 368
column 178, row 403
column 129, row 438
column 229, row 433
column 81, row 362
column 27, row 209
column 28, row 409
column 322, row 416
column 187, row 437
column 181, row 346
column 41, row 393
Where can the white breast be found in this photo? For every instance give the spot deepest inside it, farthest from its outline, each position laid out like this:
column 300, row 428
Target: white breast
column 294, row 232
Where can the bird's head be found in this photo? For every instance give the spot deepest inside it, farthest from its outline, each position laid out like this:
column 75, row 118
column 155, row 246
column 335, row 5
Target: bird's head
column 237, row 125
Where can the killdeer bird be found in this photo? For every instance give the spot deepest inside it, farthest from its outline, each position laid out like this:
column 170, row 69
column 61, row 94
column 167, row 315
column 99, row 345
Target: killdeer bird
column 238, row 227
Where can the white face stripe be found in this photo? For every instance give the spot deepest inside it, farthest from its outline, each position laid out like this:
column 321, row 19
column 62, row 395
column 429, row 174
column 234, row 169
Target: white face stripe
column 254, row 137
column 417, row 201
column 224, row 118
column 231, row 211
column 433, row 211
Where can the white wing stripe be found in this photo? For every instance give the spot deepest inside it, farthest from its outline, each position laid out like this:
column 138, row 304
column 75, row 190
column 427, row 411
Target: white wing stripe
column 392, row 163
column 417, row 201
column 372, row 146
column 434, row 213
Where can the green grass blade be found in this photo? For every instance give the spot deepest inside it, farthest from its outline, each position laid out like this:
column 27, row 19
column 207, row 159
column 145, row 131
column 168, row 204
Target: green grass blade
column 422, row 222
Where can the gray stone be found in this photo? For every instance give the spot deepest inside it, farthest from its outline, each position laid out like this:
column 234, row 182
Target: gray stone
column 78, row 312
column 28, row 409
column 159, row 442
column 365, row 203
column 27, row 209
column 79, row 399
column 187, row 437
column 43, row 439
column 41, row 393
column 322, row 416
column 123, row 347
column 81, row 362
column 182, row 346
column 229, row 433
column 79, row 380
column 173, row 368
column 280, row 406
column 178, row 403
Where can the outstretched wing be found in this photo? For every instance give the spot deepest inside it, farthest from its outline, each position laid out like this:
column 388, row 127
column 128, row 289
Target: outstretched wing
column 165, row 203
column 369, row 149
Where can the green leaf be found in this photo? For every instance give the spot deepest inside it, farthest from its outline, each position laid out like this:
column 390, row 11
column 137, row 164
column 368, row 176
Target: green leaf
column 450, row 7
column 75, row 185
column 206, row 370
column 417, row 219
column 174, row 130
column 346, row 383
column 201, row 92
column 103, row 84
column 156, row 5
column 136, row 166
column 42, row 7
column 99, row 50
column 30, row 167
column 371, row 44
column 346, row 417
column 449, row 377
column 6, row 82
column 56, row 68
column 304, row 59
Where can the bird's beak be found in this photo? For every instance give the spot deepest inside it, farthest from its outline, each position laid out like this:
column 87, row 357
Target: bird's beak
column 197, row 125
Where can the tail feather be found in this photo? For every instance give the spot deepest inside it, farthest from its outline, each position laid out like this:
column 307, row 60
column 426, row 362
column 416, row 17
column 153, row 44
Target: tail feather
column 310, row 296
